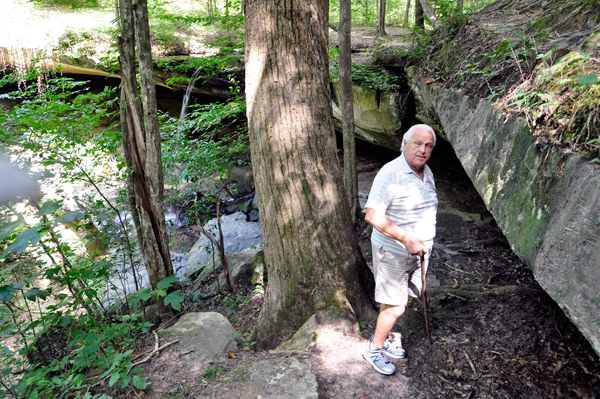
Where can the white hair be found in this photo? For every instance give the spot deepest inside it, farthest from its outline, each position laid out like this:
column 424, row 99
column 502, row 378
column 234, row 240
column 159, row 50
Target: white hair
column 409, row 133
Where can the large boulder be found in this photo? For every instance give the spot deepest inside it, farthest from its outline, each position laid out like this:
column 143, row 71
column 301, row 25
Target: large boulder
column 285, row 378
column 238, row 235
column 378, row 114
column 203, row 337
column 547, row 205
column 240, row 266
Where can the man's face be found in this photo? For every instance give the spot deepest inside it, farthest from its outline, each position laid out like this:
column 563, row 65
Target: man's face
column 418, row 150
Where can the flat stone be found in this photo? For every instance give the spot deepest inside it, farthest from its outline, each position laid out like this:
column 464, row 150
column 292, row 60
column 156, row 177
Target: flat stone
column 203, row 335
column 284, row 378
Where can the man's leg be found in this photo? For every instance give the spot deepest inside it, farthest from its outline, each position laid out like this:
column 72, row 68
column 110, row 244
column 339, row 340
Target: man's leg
column 388, row 315
column 391, row 279
column 379, row 348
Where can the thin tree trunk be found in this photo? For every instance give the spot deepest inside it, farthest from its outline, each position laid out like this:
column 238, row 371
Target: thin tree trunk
column 309, row 241
column 406, row 12
column 224, row 261
column 142, row 138
column 429, row 12
column 376, row 16
column 381, row 19
column 419, row 16
column 459, row 6
column 347, row 105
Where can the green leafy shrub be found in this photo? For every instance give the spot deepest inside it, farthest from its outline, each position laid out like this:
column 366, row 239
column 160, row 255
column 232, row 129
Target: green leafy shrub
column 371, row 76
column 72, row 334
column 200, row 152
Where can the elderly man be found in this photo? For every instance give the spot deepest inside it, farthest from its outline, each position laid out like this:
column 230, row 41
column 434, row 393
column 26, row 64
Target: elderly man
column 402, row 207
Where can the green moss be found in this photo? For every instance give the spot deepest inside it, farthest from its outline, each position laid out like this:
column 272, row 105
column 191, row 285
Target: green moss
column 501, row 49
column 541, row 28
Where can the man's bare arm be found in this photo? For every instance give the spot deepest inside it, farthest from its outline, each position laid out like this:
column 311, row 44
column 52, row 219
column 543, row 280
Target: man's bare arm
column 387, row 227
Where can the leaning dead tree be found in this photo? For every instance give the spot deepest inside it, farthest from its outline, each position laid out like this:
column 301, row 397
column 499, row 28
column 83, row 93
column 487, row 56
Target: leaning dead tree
column 141, row 141
column 429, row 12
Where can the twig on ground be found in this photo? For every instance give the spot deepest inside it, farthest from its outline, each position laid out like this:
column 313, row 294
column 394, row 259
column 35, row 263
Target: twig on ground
column 155, row 351
column 457, row 269
column 470, row 363
column 456, row 296
column 555, row 326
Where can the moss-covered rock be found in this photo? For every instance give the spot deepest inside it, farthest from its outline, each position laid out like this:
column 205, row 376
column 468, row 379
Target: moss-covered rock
column 547, row 203
column 378, row 115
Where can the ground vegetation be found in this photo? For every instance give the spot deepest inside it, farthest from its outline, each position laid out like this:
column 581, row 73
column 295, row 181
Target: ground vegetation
column 541, row 62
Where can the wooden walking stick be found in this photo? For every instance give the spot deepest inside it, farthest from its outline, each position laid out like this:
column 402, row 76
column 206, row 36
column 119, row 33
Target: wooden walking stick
column 425, row 296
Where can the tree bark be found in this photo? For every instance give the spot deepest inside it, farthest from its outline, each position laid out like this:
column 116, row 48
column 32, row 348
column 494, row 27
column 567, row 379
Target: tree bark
column 377, row 16
column 310, row 247
column 381, row 19
column 347, row 106
column 429, row 12
column 142, row 141
column 419, row 16
column 406, row 12
column 224, row 261
column 459, row 6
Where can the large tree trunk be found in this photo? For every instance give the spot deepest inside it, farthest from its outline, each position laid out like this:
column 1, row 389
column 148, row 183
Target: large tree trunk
column 347, row 107
column 381, row 19
column 310, row 246
column 141, row 138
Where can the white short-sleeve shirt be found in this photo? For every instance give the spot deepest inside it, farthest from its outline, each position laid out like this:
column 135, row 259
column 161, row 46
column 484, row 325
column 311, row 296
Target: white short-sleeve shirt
column 411, row 203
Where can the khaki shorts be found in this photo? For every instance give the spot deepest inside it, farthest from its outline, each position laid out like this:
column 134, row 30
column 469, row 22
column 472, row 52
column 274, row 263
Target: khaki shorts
column 396, row 276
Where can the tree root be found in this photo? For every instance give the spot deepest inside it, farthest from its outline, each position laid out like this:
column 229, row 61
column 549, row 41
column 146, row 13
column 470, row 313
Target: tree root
column 475, row 290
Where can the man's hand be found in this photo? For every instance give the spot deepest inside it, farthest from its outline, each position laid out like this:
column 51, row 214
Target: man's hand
column 414, row 245
column 387, row 227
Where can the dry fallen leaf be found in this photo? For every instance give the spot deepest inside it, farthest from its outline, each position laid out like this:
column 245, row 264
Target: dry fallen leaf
column 532, row 11
column 429, row 80
column 246, row 348
column 450, row 357
column 231, row 355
